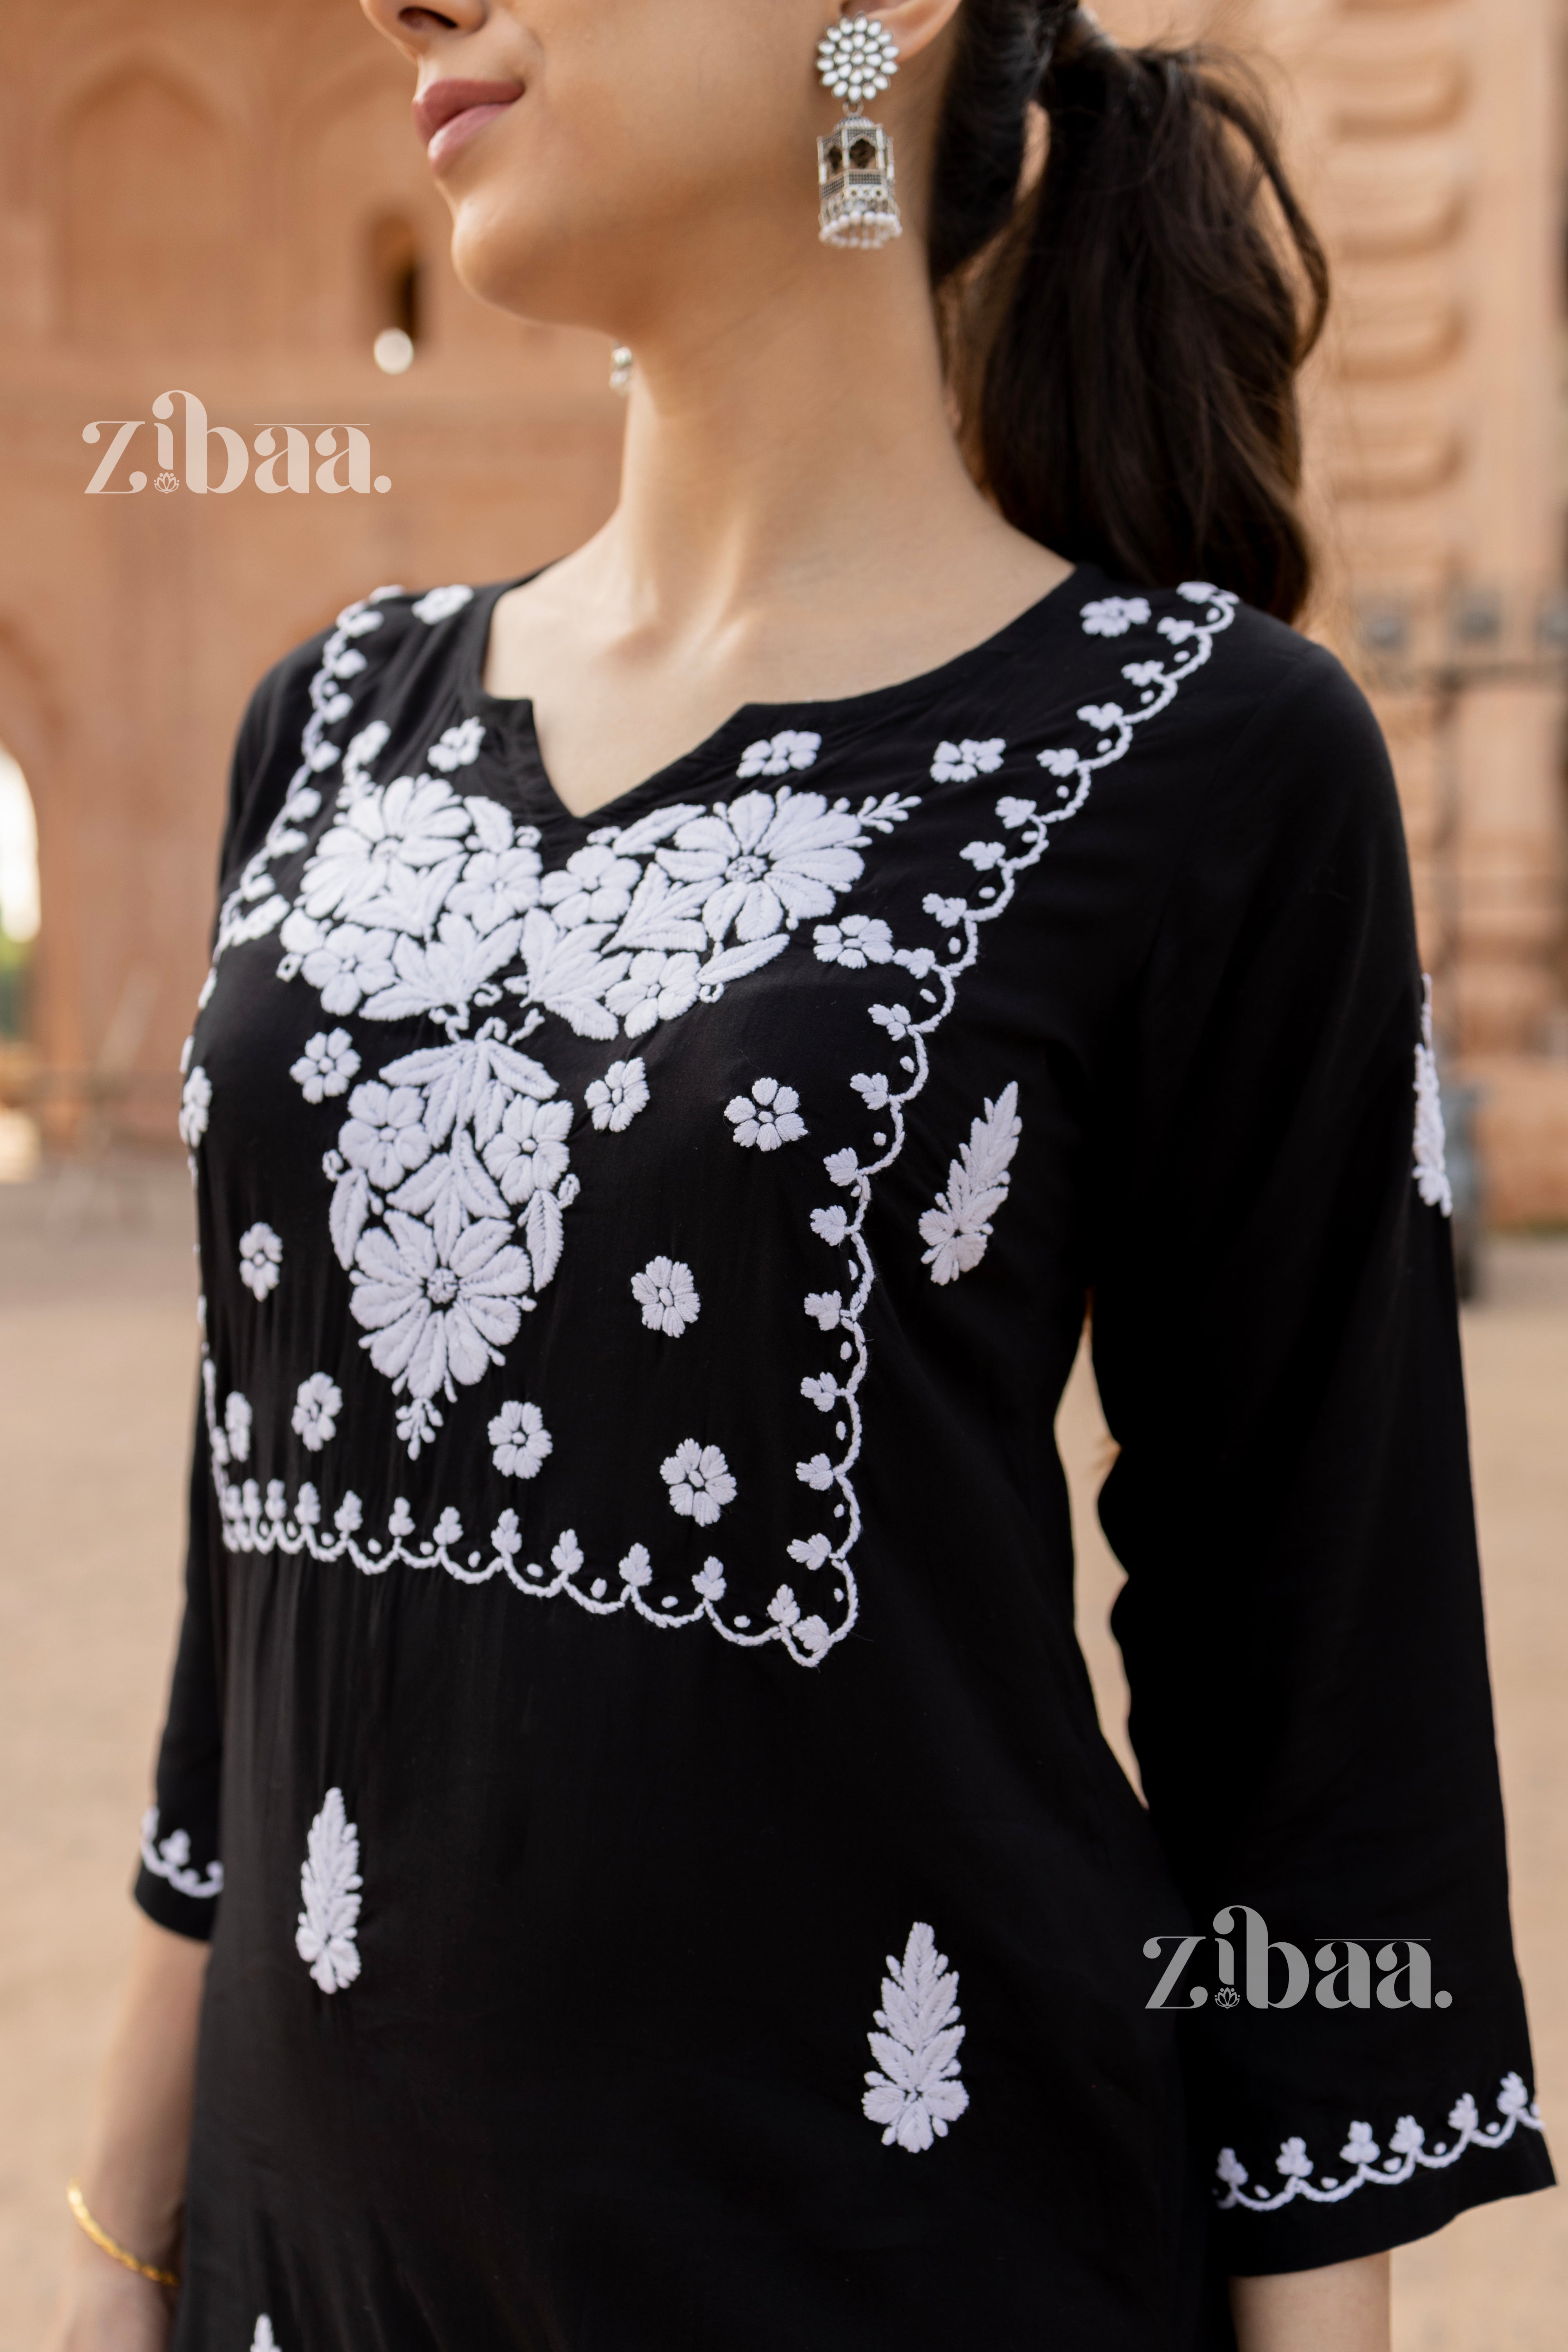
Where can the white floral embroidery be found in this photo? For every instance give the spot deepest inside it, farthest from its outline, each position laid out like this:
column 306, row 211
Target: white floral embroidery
column 936, row 981
column 1408, row 2152
column 1430, row 1170
column 667, row 1294
column 440, row 604
column 329, row 1889
column 326, row 1066
column 918, row 2091
column 959, row 1227
column 959, row 763
column 527, row 1154
column 769, row 1118
column 170, row 1858
column 616, row 1100
column 699, row 1480
column 382, row 1135
column 658, row 987
column 1112, row 616
column 263, row 2339
column 777, row 755
column 765, row 861
column 260, row 1260
column 366, row 746
column 458, row 747
column 317, row 1405
column 237, row 1419
column 195, row 1102
column 519, row 1443
column 437, row 1315
column 857, row 940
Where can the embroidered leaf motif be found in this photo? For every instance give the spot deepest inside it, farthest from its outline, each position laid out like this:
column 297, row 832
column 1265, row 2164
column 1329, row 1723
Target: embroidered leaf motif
column 958, row 1228
column 264, row 2340
column 918, row 2091
column 329, row 1889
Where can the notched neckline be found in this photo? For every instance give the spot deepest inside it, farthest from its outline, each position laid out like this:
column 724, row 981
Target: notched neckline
column 751, row 721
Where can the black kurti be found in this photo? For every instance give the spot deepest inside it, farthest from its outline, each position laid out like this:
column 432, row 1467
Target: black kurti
column 675, row 1893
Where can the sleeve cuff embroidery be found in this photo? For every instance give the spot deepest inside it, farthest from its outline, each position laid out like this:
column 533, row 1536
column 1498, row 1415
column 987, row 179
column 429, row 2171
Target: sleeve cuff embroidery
column 170, row 1858
column 1360, row 2151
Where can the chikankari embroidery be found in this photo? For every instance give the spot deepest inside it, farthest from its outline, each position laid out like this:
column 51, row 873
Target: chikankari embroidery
column 917, row 2093
column 328, row 1890
column 170, row 1858
column 959, row 1227
column 1430, row 1170
column 1408, row 2153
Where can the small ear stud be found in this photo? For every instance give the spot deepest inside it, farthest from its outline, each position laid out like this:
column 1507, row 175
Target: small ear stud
column 621, row 368
column 855, row 57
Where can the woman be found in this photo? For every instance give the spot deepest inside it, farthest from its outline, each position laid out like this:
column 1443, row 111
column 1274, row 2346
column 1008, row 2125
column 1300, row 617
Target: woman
column 673, row 1889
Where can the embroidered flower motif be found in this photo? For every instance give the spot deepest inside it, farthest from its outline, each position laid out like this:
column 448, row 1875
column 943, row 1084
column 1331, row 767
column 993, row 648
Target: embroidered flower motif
column 440, row 604
column 1407, row 2144
column 391, row 858
column 501, row 877
column 659, row 987
column 959, row 763
column 1293, row 2160
column 917, row 2092
column 959, row 1227
column 326, row 1066
column 769, row 1118
column 1112, row 616
column 636, row 1568
column 383, row 1134
column 1060, row 762
column 1232, row 2173
column 1360, row 2148
column 364, row 747
column 777, row 755
column 830, row 1225
column 817, row 1472
column 437, row 1315
column 458, row 747
column 342, row 965
column 826, row 1306
column 985, row 855
column 170, row 1858
column 263, row 2339
column 709, row 1580
column 260, row 1260
column 811, row 1551
column 316, row 1409
column 699, row 1480
column 529, row 1153
column 237, row 1420
column 768, row 859
column 195, row 1102
column 595, row 886
column 519, row 1443
column 616, row 1100
column 854, row 942
column 1430, row 1164
column 667, row 1294
column 823, row 1393
column 329, row 1889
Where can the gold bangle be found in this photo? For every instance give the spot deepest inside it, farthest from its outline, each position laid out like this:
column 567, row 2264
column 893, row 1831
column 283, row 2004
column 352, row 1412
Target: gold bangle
column 101, row 2238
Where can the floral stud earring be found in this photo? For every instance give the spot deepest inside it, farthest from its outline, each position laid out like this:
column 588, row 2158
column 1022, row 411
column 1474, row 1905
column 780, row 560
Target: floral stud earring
column 622, row 367
column 855, row 57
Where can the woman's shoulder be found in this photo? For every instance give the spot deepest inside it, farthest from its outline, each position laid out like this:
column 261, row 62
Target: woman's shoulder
column 383, row 655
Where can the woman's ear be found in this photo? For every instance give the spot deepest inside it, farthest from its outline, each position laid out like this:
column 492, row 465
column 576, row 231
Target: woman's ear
column 914, row 25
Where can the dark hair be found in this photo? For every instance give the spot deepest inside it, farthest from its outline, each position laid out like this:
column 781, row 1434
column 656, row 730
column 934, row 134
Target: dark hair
column 1123, row 336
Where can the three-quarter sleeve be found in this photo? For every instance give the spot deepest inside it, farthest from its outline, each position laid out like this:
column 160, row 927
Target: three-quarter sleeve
column 1277, row 1347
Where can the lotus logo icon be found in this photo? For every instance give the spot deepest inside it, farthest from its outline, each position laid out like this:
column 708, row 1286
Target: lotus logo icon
column 167, row 482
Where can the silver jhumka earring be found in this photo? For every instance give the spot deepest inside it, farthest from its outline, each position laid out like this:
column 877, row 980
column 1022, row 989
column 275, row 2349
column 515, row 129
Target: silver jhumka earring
column 621, row 366
column 856, row 59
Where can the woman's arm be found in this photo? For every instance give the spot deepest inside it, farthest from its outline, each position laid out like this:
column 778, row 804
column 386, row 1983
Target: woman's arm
column 133, row 2173
column 1341, row 2308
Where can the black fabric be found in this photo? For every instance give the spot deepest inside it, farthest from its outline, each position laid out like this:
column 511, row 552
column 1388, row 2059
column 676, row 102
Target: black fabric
column 653, row 1671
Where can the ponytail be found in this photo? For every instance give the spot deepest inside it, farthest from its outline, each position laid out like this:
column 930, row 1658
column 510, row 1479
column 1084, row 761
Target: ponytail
column 1124, row 338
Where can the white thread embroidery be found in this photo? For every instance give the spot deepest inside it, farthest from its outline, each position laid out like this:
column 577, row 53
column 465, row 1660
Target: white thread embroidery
column 769, row 1118
column 195, row 1102
column 519, row 1443
column 775, row 755
column 1430, row 1168
column 1112, row 616
column 440, row 604
column 936, row 981
column 317, row 1404
column 959, row 1227
column 260, row 1260
column 667, row 1294
column 960, row 763
column 326, row 1066
column 236, row 1432
column 264, row 2340
column 1407, row 2142
column 616, row 1100
column 856, row 942
column 329, row 1889
column 170, row 1858
column 458, row 747
column 918, row 2091
column 699, row 1480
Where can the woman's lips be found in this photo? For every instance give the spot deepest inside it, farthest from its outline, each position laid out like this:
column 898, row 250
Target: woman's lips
column 449, row 113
